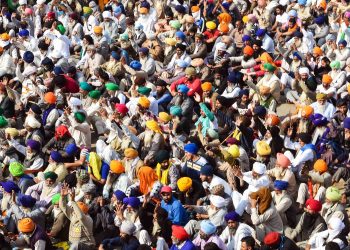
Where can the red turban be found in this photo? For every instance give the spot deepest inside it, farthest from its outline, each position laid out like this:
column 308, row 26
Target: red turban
column 314, row 205
column 272, row 239
column 180, row 233
column 121, row 108
column 50, row 15
column 61, row 131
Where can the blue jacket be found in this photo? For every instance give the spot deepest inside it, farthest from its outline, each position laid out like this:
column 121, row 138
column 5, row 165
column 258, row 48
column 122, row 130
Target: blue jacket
column 188, row 246
column 176, row 212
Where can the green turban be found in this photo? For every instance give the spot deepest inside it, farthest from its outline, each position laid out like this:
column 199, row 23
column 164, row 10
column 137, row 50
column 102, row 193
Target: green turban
column 87, row 10
column 80, row 116
column 95, row 94
column 269, row 67
column 175, row 24
column 112, row 86
column 3, row 122
column 61, row 29
column 50, row 175
column 16, row 169
column 144, row 90
column 55, row 199
column 124, row 36
column 333, row 194
column 206, row 111
column 176, row 111
column 335, row 65
column 85, row 86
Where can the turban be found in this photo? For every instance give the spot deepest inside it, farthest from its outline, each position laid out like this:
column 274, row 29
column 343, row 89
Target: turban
column 180, row 35
column 224, row 18
column 112, row 86
column 273, row 119
column 127, row 226
column 262, row 148
column 304, row 70
column 144, row 102
column 182, row 88
column 246, row 38
column 144, row 90
column 282, row 160
column 130, row 153
column 272, row 238
column 176, row 110
column 61, row 131
column 50, row 98
column 224, row 28
column 26, row 225
column 26, row 201
column 297, row 34
column 233, row 216
column 56, row 156
column 307, row 111
column 327, row 79
column 23, row 33
column 330, row 37
column 320, row 96
column 71, row 149
column 206, row 111
column 61, row 29
column 73, row 16
column 342, row 42
column 10, row 186
column 336, row 223
column 180, row 46
column 264, row 198
column 347, row 123
column 133, row 202
column 98, row 30
column 5, row 37
column 51, row 15
column 175, row 24
column 260, row 111
column 50, row 175
column 194, row 8
column 260, row 32
column 320, row 20
column 269, row 67
column 296, row 54
column 13, row 132
column 95, row 94
column 259, row 168
column 179, row 233
column 88, row 188
column 164, row 117
column 206, row 86
column 28, row 57
column 115, row 55
column 305, row 137
column 232, row 141
column 217, row 201
column 3, row 122
column 207, row 170
column 333, row 194
column 87, row 10
column 323, row 4
column 210, row 25
column 280, row 185
column 144, row 50
column 153, row 125
column 320, row 166
column 191, row 148
column 184, row 184
column 190, row 71
column 83, row 207
column 143, row 10
column 207, row 227
column 121, row 108
column 36, row 109
column 234, row 151
column 136, row 65
column 16, row 169
column 55, row 199
column 313, row 205
column 335, row 65
column 33, row 144
column 248, row 50
column 162, row 155
column 85, row 86
column 318, row 51
column 117, row 167
column 80, row 116
column 125, row 37
column 181, row 63
column 120, row 195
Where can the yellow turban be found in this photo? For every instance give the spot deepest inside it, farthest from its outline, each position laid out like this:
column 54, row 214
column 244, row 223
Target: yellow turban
column 320, row 96
column 98, row 29
column 184, row 184
column 87, row 10
column 5, row 37
column 245, row 19
column 234, row 151
column 165, row 117
column 333, row 194
column 211, row 25
column 26, row 225
column 206, row 86
column 131, row 153
column 327, row 79
column 13, row 132
column 153, row 125
column 263, row 149
column 144, row 102
column 116, row 167
column 170, row 41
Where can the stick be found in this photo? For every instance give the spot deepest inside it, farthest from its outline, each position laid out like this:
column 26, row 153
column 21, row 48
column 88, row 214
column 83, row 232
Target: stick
column 227, row 137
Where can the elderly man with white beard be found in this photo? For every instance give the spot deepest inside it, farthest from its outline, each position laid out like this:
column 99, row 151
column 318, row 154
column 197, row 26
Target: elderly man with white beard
column 321, row 106
column 256, row 179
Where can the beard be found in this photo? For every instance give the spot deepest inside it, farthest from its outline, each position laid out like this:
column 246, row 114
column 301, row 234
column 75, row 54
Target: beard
column 321, row 107
column 232, row 231
column 309, row 220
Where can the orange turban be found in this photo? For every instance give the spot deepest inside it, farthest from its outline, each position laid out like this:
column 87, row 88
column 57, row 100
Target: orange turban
column 131, row 153
column 147, row 177
column 323, row 4
column 266, row 58
column 223, row 27
column 50, row 98
column 144, row 102
column 307, row 111
column 194, row 8
column 206, row 86
column 273, row 119
column 83, row 207
column 116, row 167
column 248, row 50
column 26, row 225
column 143, row 10
column 5, row 37
column 327, row 79
column 320, row 166
column 318, row 51
column 224, row 18
column 98, row 29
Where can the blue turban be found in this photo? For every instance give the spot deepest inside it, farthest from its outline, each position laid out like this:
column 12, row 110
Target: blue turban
column 182, row 63
column 280, row 185
column 71, row 149
column 260, row 110
column 208, row 227
column 36, row 109
column 231, row 77
column 120, row 195
column 56, row 156
column 136, row 65
column 260, row 32
column 207, row 170
column 133, row 202
column 320, row 19
column 244, row 92
column 199, row 23
column 296, row 54
column 191, row 148
column 347, row 123
column 180, row 8
column 144, row 50
column 145, row 4
column 180, row 35
column 33, row 144
column 28, row 57
column 318, row 120
column 226, row 5
column 302, row 2
column 176, row 110
column 182, row 88
column 23, row 33
column 117, row 10
column 115, row 55
column 58, row 70
column 343, row 42
column 8, row 186
column 246, row 38
column 298, row 34
column 26, row 201
column 232, row 216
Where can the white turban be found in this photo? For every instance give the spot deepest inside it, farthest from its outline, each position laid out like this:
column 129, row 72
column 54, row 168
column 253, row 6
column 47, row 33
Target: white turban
column 106, row 14
column 127, row 227
column 259, row 168
column 32, row 122
column 40, row 1
column 22, row 2
column 217, row 201
column 304, row 70
column 221, row 46
column 29, row 70
column 75, row 101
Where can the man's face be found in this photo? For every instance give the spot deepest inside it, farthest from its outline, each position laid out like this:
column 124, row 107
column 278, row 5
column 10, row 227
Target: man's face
column 255, row 175
column 302, row 144
column 179, row 52
column 347, row 134
column 203, row 177
column 341, row 46
column 203, row 236
column 142, row 55
column 197, row 39
column 166, row 197
column 160, row 90
column 304, row 76
column 255, row 47
column 245, row 247
column 238, row 24
column 49, row 182
column 206, row 93
column 175, row 240
column 218, row 105
column 164, row 164
column 124, row 236
column 244, row 98
column 232, row 224
column 188, row 156
column 321, row 101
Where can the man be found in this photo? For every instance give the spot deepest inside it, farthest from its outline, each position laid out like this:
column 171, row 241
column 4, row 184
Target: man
column 281, row 200
column 191, row 80
column 93, row 61
column 210, row 180
column 117, row 178
column 207, row 234
column 248, row 243
column 321, row 106
column 167, row 172
column 162, row 95
column 235, row 231
column 190, row 191
column 132, row 163
column 17, row 171
column 181, row 239
column 193, row 163
column 176, row 212
column 148, row 63
column 57, row 220
column 267, row 42
column 275, row 240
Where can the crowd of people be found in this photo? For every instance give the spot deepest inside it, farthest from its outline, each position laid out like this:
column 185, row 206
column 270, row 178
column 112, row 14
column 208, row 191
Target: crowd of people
column 174, row 124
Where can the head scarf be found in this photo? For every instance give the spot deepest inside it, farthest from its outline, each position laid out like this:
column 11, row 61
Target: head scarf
column 147, row 177
column 264, row 201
